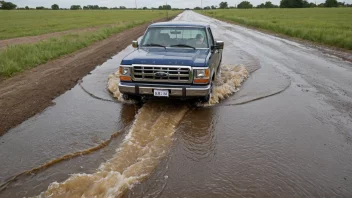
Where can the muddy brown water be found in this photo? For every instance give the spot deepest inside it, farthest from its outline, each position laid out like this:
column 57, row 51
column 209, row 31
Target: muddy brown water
column 286, row 133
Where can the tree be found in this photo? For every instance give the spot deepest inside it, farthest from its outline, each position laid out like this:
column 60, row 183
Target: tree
column 244, row 5
column 76, row 7
column 145, row 8
column 213, row 7
column 291, row 4
column 267, row 4
column 122, row 7
column 40, row 8
column 331, row 3
column 7, row 5
column 207, row 8
column 341, row 4
column 223, row 5
column 27, row 8
column 261, row 5
column 165, row 7
column 197, row 8
column 55, row 7
column 93, row 7
column 312, row 5
column 306, row 4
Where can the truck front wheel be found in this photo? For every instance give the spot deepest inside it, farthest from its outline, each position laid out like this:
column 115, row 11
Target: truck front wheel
column 132, row 97
column 206, row 99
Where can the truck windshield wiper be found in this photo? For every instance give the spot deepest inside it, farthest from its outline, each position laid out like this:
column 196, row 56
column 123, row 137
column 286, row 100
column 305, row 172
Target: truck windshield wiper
column 183, row 45
column 155, row 45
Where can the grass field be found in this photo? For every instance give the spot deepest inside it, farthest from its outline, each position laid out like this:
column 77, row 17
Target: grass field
column 17, row 23
column 18, row 58
column 330, row 26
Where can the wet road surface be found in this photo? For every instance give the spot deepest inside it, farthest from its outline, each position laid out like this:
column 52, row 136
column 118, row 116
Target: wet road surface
column 286, row 133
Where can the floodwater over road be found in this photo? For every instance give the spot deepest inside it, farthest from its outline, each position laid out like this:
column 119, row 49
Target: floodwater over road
column 286, row 133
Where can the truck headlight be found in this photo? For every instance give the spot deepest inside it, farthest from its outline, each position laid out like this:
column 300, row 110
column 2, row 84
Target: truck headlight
column 202, row 73
column 201, row 76
column 125, row 73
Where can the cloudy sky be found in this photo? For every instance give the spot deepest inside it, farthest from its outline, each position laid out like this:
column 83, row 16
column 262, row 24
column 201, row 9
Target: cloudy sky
column 140, row 3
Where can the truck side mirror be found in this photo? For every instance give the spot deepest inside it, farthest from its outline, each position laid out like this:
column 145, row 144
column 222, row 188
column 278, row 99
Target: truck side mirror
column 219, row 44
column 134, row 44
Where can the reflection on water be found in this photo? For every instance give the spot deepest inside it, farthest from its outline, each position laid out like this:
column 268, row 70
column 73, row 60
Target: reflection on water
column 196, row 134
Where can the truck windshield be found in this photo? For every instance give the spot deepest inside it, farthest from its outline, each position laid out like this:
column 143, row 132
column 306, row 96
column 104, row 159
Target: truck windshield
column 175, row 37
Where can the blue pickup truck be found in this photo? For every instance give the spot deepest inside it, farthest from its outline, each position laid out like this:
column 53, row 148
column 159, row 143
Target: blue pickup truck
column 173, row 59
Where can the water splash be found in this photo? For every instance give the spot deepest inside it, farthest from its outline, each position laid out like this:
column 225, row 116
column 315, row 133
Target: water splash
column 229, row 81
column 113, row 85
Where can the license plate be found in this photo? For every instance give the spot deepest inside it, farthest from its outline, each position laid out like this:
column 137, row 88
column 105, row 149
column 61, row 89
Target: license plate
column 161, row 93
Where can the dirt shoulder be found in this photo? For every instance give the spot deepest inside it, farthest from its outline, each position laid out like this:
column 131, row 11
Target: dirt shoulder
column 30, row 92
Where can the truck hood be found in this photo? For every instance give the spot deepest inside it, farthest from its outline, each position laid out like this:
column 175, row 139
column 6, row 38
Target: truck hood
column 169, row 56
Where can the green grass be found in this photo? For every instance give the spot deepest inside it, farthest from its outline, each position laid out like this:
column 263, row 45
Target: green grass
column 330, row 26
column 18, row 58
column 18, row 23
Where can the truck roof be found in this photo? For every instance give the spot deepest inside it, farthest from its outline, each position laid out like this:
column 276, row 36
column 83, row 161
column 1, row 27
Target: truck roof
column 180, row 23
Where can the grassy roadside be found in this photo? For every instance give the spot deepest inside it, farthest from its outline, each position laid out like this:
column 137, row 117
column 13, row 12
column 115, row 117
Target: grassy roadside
column 18, row 58
column 329, row 26
column 21, row 23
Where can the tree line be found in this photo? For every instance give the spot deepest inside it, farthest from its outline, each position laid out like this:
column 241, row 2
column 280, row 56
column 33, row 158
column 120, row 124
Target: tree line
column 283, row 4
column 223, row 5
column 11, row 6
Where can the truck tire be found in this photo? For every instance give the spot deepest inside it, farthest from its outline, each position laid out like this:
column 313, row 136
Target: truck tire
column 206, row 99
column 132, row 97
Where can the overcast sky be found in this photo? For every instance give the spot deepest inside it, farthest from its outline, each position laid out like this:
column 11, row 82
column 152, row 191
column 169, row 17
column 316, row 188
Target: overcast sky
column 140, row 3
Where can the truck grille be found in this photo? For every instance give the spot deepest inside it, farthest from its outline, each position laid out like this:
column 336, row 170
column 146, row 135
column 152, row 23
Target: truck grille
column 157, row 73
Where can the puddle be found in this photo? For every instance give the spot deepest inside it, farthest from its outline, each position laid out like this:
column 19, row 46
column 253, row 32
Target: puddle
column 147, row 142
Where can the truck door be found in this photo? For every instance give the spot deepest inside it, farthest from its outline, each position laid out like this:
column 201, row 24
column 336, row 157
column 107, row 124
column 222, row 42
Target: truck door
column 215, row 56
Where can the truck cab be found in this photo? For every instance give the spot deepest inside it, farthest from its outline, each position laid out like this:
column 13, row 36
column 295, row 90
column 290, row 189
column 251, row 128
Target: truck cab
column 173, row 59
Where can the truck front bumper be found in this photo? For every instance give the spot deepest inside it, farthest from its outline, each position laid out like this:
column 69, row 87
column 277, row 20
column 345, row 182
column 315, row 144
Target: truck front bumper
column 174, row 90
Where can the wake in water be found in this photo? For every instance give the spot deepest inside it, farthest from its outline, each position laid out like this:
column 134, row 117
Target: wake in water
column 144, row 146
column 227, row 83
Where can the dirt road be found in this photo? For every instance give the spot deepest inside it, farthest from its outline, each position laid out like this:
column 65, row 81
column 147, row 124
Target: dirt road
column 286, row 133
